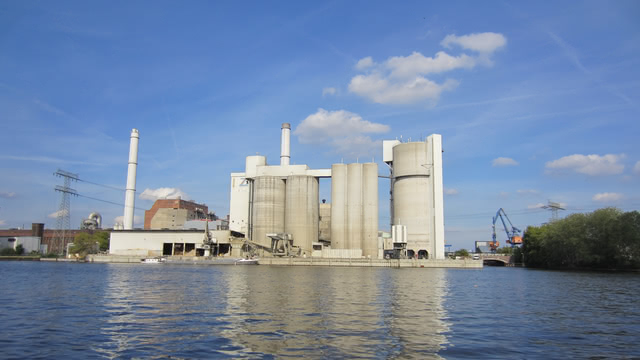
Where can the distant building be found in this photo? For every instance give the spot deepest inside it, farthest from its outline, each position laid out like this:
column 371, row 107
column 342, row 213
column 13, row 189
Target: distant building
column 483, row 247
column 173, row 213
column 39, row 239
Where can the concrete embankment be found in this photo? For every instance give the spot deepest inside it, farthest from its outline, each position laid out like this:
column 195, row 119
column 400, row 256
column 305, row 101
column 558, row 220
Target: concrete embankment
column 393, row 263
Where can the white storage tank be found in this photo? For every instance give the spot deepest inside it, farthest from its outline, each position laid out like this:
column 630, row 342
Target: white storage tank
column 268, row 208
column 412, row 198
column 301, row 211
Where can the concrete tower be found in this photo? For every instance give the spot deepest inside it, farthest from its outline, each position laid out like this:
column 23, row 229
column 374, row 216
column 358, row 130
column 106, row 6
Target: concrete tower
column 130, row 194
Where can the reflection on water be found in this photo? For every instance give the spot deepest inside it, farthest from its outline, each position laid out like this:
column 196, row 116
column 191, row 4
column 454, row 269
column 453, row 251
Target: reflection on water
column 136, row 310
column 337, row 312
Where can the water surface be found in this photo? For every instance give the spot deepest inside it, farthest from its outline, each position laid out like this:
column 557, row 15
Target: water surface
column 56, row 310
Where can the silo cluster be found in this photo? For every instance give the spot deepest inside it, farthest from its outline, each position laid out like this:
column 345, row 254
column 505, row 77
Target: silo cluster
column 354, row 207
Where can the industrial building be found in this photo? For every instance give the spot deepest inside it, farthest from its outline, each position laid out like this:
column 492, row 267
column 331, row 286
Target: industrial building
column 172, row 214
column 275, row 209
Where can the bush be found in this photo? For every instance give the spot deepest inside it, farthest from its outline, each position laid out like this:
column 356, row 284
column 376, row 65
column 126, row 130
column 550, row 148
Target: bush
column 19, row 249
column 7, row 252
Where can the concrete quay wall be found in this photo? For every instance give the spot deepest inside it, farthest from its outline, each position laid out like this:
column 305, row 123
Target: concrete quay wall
column 393, row 263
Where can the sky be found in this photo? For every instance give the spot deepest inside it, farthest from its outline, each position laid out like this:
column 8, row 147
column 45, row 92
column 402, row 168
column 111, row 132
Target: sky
column 535, row 101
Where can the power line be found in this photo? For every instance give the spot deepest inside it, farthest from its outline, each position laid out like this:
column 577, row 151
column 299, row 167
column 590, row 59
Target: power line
column 102, row 185
column 105, row 201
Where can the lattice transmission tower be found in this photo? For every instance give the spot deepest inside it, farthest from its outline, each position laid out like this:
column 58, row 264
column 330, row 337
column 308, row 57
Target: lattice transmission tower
column 554, row 207
column 64, row 212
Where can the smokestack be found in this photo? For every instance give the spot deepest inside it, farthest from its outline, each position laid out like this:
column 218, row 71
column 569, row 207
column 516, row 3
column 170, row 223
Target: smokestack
column 285, row 145
column 130, row 195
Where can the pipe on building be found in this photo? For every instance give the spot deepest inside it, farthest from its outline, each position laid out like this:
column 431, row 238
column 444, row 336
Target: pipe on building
column 130, row 194
column 285, row 144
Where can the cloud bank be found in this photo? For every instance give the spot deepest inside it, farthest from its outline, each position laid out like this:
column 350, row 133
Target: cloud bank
column 592, row 165
column 55, row 214
column 163, row 193
column 636, row 168
column 402, row 79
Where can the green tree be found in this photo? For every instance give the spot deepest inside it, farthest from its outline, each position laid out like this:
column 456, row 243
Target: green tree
column 102, row 237
column 604, row 239
column 84, row 244
column 19, row 249
column 462, row 253
column 506, row 250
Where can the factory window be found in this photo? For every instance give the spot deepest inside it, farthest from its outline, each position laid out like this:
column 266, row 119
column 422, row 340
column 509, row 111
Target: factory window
column 178, row 249
column 167, row 249
column 423, row 254
column 189, row 249
column 411, row 254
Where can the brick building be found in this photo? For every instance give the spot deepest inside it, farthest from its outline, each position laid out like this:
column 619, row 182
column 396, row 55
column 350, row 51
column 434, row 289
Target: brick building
column 173, row 213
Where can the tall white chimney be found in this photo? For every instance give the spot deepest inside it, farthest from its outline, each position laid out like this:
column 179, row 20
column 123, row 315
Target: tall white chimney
column 130, row 195
column 285, row 144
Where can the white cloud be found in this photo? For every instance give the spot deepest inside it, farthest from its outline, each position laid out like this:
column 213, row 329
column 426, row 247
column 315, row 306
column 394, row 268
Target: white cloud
column 324, row 126
column 163, row 193
column 137, row 220
column 450, row 191
column 487, row 42
column 528, row 192
column 536, row 206
column 636, row 168
column 588, row 164
column 3, row 222
column 7, row 195
column 607, row 197
column 329, row 91
column 401, row 79
column 54, row 215
column 343, row 130
column 504, row 161
column 364, row 63
column 416, row 63
column 385, row 91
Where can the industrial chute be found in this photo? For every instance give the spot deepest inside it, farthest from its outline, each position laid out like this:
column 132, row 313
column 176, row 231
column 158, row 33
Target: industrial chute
column 513, row 233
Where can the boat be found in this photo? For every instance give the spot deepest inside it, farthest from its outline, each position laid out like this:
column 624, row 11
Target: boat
column 246, row 262
column 154, row 260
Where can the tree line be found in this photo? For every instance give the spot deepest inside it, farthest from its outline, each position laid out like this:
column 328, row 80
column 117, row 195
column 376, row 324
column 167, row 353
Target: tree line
column 604, row 239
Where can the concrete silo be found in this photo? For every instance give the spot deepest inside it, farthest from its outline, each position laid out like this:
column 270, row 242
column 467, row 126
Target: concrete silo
column 417, row 197
column 354, row 207
column 268, row 200
column 301, row 211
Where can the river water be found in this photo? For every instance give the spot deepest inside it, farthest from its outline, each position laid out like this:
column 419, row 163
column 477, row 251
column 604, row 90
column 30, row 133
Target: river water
column 70, row 310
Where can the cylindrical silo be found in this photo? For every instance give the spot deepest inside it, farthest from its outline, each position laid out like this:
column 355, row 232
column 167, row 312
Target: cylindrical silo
column 411, row 193
column 268, row 208
column 354, row 206
column 370, row 210
column 338, row 206
column 301, row 211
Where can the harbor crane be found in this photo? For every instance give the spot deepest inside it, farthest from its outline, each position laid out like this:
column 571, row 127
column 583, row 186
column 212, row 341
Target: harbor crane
column 513, row 233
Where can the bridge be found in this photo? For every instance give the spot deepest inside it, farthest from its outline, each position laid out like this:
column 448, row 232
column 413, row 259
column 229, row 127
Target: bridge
column 496, row 260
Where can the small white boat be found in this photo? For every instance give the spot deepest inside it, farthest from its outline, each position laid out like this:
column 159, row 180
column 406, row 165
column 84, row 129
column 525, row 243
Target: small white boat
column 155, row 260
column 246, row 262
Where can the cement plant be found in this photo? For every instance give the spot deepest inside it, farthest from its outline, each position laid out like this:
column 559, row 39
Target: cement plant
column 276, row 216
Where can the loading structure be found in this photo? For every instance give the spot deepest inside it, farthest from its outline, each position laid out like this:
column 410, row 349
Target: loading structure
column 513, row 233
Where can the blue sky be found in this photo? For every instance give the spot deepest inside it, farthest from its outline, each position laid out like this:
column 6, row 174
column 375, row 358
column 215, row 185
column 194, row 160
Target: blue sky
column 535, row 101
